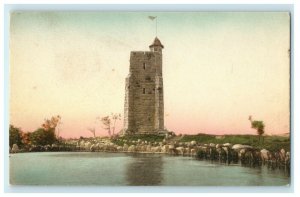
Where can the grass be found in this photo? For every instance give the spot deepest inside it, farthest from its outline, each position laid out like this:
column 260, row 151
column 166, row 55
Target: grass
column 272, row 143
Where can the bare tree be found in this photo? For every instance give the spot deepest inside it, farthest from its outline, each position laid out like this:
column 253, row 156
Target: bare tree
column 115, row 117
column 93, row 131
column 106, row 122
column 109, row 122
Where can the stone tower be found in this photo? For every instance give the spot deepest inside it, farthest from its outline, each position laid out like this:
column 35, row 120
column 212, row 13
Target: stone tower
column 144, row 100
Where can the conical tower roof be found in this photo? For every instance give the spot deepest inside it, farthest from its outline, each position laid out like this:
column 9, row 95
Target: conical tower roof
column 156, row 42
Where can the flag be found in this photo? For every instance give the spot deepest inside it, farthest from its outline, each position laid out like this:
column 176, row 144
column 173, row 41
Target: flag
column 152, row 17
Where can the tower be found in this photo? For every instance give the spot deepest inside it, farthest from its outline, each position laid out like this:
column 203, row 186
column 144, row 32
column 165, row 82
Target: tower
column 144, row 101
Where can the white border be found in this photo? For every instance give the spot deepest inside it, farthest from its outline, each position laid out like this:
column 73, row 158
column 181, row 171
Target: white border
column 261, row 6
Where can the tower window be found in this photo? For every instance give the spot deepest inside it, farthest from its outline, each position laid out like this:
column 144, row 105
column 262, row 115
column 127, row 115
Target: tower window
column 144, row 66
column 148, row 78
column 144, row 90
column 159, row 90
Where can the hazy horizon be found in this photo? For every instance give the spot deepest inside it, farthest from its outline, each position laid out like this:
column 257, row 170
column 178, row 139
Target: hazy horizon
column 218, row 68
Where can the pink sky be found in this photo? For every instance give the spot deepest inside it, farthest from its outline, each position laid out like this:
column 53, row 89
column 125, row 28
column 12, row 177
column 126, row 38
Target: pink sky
column 218, row 69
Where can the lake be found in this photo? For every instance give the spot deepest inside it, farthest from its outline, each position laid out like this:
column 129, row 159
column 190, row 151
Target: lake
column 129, row 169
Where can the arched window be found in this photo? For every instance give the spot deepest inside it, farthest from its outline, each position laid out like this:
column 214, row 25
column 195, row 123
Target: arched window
column 144, row 90
column 144, row 66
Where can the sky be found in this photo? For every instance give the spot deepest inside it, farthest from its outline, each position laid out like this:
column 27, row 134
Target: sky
column 218, row 68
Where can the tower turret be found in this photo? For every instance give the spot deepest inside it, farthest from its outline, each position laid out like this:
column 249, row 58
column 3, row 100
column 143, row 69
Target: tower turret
column 156, row 46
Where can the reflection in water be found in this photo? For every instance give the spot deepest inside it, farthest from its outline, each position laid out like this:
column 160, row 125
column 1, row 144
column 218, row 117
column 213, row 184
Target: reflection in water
column 145, row 170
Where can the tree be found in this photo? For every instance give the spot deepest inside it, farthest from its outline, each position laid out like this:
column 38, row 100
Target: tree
column 93, row 131
column 109, row 122
column 115, row 117
column 15, row 136
column 52, row 123
column 106, row 122
column 258, row 125
column 26, row 138
column 43, row 137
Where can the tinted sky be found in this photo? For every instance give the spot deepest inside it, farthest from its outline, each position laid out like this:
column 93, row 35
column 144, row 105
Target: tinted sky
column 218, row 68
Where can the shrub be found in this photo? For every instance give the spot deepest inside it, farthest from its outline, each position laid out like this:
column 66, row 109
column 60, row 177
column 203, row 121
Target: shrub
column 43, row 137
column 15, row 136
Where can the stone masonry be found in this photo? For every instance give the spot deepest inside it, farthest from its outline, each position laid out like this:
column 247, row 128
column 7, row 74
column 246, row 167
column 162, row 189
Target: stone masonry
column 144, row 101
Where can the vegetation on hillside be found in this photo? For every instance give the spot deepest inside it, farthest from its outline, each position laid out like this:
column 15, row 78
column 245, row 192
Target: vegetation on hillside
column 129, row 138
column 259, row 126
column 43, row 137
column 272, row 143
column 15, row 136
column 46, row 135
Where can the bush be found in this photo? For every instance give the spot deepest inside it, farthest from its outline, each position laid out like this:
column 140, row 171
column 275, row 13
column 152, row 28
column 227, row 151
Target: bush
column 43, row 137
column 15, row 136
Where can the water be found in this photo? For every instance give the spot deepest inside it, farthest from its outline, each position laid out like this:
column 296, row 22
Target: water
column 121, row 169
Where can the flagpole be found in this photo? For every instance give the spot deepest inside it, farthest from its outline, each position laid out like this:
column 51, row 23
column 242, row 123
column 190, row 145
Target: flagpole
column 154, row 18
column 156, row 27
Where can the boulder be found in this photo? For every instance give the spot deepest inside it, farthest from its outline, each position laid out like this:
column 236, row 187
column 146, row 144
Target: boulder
column 131, row 148
column 98, row 146
column 282, row 151
column 165, row 149
column 119, row 148
column 226, row 149
column 87, row 145
column 202, row 148
column 227, row 145
column 125, row 147
column 187, row 151
column 54, row 146
column 47, row 147
column 93, row 148
column 282, row 155
column 15, row 148
column 143, row 148
column 81, row 145
column 180, row 150
column 153, row 149
column 264, row 151
column 193, row 152
column 148, row 148
column 241, row 146
column 219, row 146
